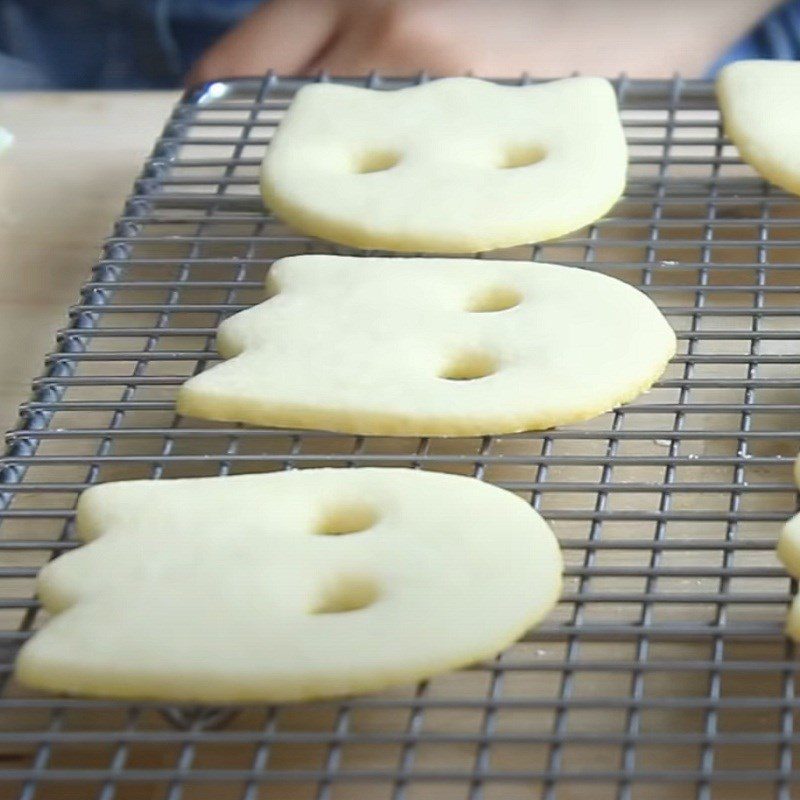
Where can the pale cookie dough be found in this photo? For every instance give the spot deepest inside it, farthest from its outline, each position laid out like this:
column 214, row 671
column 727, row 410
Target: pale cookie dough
column 288, row 586
column 788, row 551
column 439, row 347
column 457, row 165
column 760, row 104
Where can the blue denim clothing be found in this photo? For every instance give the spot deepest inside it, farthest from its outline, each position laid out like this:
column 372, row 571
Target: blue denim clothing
column 114, row 44
column 108, row 44
column 776, row 36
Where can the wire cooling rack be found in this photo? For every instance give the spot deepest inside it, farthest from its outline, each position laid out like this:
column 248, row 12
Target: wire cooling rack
column 663, row 673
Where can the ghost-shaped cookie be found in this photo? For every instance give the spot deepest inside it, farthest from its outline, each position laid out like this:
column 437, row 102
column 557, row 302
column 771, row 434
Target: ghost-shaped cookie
column 439, row 347
column 456, row 165
column 761, row 115
column 788, row 550
column 288, row 586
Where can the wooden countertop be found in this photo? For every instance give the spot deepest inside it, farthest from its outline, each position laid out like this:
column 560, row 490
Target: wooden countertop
column 62, row 184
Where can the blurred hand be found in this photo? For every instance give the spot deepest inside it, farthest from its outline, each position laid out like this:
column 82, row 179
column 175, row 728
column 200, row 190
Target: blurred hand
column 491, row 38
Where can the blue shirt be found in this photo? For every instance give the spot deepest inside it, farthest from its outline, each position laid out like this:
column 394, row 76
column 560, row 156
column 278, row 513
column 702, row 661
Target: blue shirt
column 776, row 36
column 108, row 44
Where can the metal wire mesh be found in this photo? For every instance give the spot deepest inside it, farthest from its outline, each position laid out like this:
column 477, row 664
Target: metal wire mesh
column 662, row 674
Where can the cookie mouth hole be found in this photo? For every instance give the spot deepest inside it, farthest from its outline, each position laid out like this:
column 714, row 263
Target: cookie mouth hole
column 495, row 298
column 521, row 155
column 347, row 518
column 375, row 161
column 347, row 593
column 469, row 365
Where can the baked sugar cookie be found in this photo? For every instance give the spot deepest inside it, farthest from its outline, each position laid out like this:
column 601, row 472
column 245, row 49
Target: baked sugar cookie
column 289, row 586
column 439, row 347
column 761, row 115
column 788, row 551
column 452, row 166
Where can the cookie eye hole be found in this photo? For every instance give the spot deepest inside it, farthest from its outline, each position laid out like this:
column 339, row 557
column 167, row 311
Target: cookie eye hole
column 375, row 161
column 346, row 518
column 495, row 298
column 521, row 155
column 347, row 593
column 469, row 365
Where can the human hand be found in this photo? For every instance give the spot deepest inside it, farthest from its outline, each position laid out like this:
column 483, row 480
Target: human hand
column 495, row 39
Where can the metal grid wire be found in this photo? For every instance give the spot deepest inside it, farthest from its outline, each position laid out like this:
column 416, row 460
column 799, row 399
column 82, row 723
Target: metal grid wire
column 662, row 674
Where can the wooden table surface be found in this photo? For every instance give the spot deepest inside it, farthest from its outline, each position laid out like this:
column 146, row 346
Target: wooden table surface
column 62, row 184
